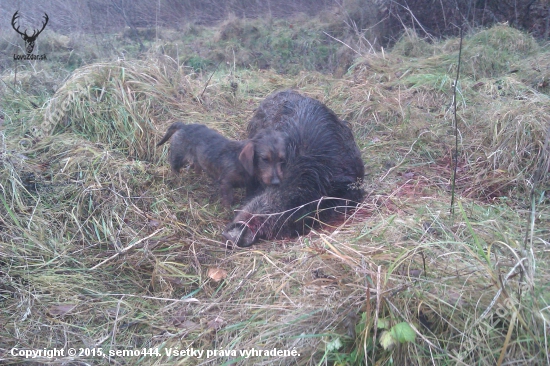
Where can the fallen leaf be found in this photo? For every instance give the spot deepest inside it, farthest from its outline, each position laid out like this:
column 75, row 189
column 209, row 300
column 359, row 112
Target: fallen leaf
column 153, row 223
column 185, row 324
column 217, row 274
column 61, row 310
column 477, row 85
column 415, row 273
column 216, row 323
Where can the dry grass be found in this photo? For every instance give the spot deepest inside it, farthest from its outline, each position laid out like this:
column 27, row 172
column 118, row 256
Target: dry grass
column 503, row 119
column 100, row 246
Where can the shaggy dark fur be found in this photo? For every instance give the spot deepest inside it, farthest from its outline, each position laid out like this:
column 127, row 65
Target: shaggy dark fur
column 230, row 163
column 323, row 170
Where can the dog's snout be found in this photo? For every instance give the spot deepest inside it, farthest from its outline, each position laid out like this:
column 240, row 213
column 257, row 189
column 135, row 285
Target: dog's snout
column 275, row 180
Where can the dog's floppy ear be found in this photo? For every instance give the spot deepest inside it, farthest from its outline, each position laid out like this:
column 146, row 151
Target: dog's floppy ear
column 246, row 157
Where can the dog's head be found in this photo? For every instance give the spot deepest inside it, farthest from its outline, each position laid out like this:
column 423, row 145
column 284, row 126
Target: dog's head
column 264, row 156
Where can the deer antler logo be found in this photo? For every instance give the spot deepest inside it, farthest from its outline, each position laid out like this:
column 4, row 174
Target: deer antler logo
column 29, row 40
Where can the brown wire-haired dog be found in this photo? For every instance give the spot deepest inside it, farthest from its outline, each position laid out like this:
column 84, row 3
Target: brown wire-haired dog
column 322, row 172
column 229, row 163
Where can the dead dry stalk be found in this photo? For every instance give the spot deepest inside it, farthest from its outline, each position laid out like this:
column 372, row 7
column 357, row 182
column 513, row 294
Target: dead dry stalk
column 455, row 157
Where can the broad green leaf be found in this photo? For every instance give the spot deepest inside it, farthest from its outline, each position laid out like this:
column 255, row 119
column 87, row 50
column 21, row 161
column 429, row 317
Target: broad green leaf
column 403, row 332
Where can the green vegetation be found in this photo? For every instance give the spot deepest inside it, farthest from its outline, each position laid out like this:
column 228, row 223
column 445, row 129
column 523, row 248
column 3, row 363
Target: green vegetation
column 101, row 246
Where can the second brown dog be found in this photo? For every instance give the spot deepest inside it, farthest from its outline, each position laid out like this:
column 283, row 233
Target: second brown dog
column 230, row 163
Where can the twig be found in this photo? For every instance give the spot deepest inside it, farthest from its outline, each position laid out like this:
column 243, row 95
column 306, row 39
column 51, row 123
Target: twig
column 414, row 18
column 208, row 81
column 125, row 249
column 348, row 46
column 455, row 157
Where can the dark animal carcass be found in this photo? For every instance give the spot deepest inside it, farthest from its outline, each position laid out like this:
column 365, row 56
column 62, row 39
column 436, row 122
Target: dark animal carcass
column 322, row 174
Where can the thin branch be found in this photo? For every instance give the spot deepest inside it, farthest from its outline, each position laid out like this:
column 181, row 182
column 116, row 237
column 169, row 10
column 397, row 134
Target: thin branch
column 125, row 249
column 348, row 46
column 208, row 81
column 416, row 20
column 455, row 157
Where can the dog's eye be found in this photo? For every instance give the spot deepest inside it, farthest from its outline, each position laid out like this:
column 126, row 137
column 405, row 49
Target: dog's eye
column 265, row 160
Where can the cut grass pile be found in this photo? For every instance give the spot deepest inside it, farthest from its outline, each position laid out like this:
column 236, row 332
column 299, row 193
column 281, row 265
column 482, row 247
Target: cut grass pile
column 102, row 247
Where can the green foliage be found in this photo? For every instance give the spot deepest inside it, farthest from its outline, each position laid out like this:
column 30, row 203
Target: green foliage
column 282, row 45
column 198, row 63
column 401, row 333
